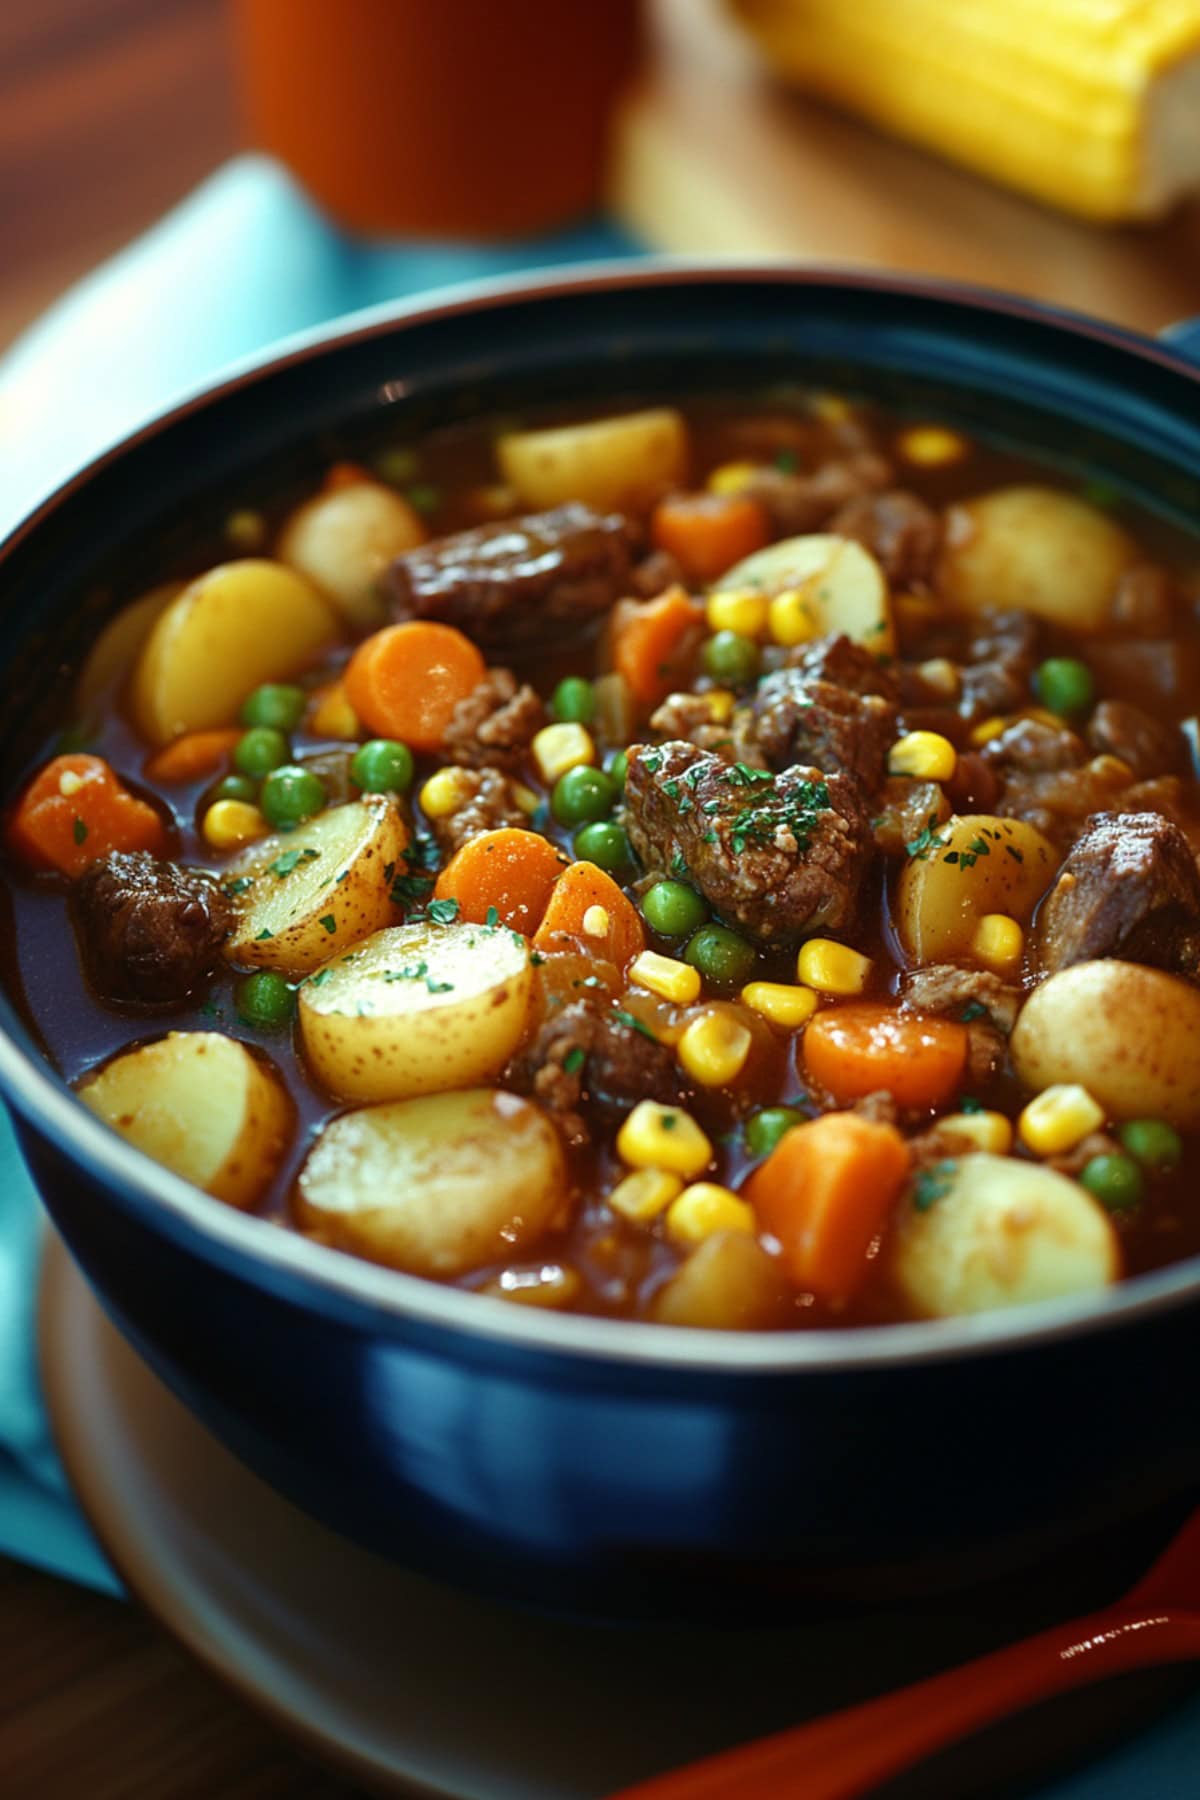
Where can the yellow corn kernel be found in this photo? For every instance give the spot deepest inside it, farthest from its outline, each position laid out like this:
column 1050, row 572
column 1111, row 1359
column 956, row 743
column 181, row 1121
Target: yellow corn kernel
column 1059, row 1118
column 779, row 1004
column 230, row 823
column 548, row 1284
column 988, row 729
column 793, row 617
column 557, row 748
column 664, row 976
column 737, row 609
column 832, row 968
column 731, row 478
column 925, row 755
column 831, row 409
column 713, row 1049
column 333, row 716
column 720, row 705
column 663, row 1137
column 706, row 1208
column 989, row 1131
column 596, row 922
column 444, row 792
column 998, row 943
column 939, row 673
column 644, row 1194
column 69, row 783
column 525, row 797
column 931, row 446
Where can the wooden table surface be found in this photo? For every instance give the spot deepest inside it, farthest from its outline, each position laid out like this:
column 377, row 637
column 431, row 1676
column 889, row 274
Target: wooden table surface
column 109, row 111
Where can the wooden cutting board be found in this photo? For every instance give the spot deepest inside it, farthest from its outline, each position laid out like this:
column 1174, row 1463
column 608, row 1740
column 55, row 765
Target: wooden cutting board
column 714, row 157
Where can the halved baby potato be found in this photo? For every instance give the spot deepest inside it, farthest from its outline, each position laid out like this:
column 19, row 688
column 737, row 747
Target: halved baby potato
column 1035, row 550
column 839, row 586
column 974, row 864
column 984, row 1232
column 626, row 461
column 342, row 540
column 231, row 629
column 417, row 1009
column 303, row 895
column 200, row 1104
column 435, row 1186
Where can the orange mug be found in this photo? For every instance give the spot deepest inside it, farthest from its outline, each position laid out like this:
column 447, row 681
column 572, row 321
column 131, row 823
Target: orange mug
column 458, row 118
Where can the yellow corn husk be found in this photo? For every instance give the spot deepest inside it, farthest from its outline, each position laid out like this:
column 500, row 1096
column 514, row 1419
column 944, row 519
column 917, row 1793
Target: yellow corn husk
column 1087, row 104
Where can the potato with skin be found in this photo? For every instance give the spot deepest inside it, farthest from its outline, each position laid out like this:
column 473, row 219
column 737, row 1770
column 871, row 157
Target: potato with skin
column 303, row 895
column 728, row 1283
column 343, row 539
column 201, row 1104
column 974, row 864
column 435, row 1186
column 417, row 1009
column 230, row 630
column 1035, row 550
column 842, row 586
column 1128, row 1034
column 607, row 463
column 984, row 1232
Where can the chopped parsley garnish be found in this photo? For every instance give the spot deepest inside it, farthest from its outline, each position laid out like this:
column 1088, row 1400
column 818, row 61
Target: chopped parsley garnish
column 933, row 1184
column 443, row 912
column 668, row 1121
column 320, row 978
column 491, row 917
column 651, row 761
column 536, row 958
column 414, row 888
column 794, row 813
column 79, row 831
column 264, row 933
column 969, row 1104
column 238, row 885
column 329, row 923
column 679, row 867
column 283, row 865
column 740, row 774
column 635, row 1024
column 786, row 461
column 574, row 1060
column 972, row 1011
column 926, row 840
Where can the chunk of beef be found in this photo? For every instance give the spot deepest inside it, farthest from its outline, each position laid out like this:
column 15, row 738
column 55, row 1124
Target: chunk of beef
column 1144, row 603
column 488, row 803
column 902, row 533
column 799, row 503
column 997, row 665
column 494, row 726
column 1129, row 888
column 780, row 856
column 585, row 1056
column 655, row 574
column 696, row 719
column 840, row 660
column 332, row 769
column 1045, row 778
column 1130, row 668
column 1032, row 747
column 957, row 993
column 527, row 581
column 823, row 726
column 1147, row 745
column 149, row 931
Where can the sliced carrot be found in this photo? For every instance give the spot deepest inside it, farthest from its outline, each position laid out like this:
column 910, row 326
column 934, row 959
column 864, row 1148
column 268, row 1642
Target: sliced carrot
column 343, row 475
column 75, row 810
column 192, row 756
column 650, row 642
column 865, row 1047
column 708, row 533
column 584, row 890
column 406, row 680
column 825, row 1192
column 511, row 871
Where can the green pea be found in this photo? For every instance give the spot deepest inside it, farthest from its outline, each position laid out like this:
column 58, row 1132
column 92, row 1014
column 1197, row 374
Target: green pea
column 383, row 766
column 673, row 909
column 730, row 656
column 1153, row 1143
column 1115, row 1180
column 764, row 1129
column 1065, row 685
column 260, row 750
column 234, row 787
column 618, row 768
column 264, row 1000
column 573, row 701
column 605, row 844
column 282, row 708
column 290, row 795
column 722, row 957
column 583, row 794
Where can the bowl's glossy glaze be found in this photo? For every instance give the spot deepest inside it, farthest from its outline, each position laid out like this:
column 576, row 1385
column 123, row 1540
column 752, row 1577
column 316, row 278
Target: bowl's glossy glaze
column 575, row 1462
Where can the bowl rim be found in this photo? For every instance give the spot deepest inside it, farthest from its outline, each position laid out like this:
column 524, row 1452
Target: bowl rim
column 257, row 1249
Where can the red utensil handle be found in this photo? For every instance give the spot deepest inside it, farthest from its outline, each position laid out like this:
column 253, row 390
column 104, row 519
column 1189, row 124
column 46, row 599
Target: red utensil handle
column 849, row 1752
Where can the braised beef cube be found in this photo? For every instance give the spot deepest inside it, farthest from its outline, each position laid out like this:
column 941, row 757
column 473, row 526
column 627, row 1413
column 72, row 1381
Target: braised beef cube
column 587, row 1061
column 840, row 660
column 1032, row 747
column 488, row 803
column 778, row 856
column 1131, row 668
column 1130, row 888
column 796, row 504
column 148, row 930
column 998, row 666
column 530, row 581
column 495, row 724
column 694, row 719
column 1149, row 746
column 799, row 720
column 902, row 533
column 1144, row 603
column 976, row 998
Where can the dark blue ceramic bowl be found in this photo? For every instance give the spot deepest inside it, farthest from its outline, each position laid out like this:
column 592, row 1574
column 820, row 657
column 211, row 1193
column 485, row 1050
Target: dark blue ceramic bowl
column 568, row 1461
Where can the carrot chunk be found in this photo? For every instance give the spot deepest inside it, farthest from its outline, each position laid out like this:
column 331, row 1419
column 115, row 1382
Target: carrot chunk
column 708, row 533
column 511, row 871
column 573, row 919
column 192, row 756
column 649, row 642
column 825, row 1192
column 863, row 1048
column 76, row 810
column 405, row 681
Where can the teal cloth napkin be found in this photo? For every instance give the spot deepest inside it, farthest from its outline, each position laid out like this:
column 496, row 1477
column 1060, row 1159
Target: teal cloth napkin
column 244, row 261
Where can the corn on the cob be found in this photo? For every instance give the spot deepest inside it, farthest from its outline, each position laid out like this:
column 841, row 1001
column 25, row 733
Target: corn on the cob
column 1090, row 105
